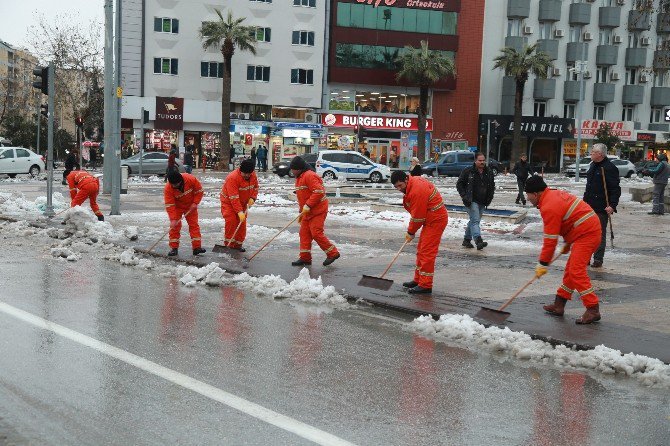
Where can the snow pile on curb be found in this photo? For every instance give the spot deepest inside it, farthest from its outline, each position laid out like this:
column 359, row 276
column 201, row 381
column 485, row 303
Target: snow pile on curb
column 80, row 222
column 462, row 329
column 15, row 204
column 65, row 253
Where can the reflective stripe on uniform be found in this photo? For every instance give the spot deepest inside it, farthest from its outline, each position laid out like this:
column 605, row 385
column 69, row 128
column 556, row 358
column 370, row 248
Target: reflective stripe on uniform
column 583, row 219
column 301, row 188
column 565, row 288
column 417, row 220
column 305, row 250
column 423, row 273
column 585, row 292
column 185, row 192
column 318, row 191
column 432, row 194
column 329, row 249
column 169, row 205
column 552, row 236
column 435, row 208
column 571, row 208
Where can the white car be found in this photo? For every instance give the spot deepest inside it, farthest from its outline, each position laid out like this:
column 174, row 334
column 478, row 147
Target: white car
column 16, row 160
column 584, row 164
column 351, row 165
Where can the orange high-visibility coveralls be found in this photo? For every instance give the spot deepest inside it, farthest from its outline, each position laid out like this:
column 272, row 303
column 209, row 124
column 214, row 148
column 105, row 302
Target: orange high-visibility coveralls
column 424, row 203
column 235, row 194
column 178, row 202
column 311, row 192
column 568, row 216
column 83, row 185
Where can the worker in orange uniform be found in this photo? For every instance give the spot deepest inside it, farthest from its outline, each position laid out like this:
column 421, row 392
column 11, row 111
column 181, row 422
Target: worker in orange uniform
column 428, row 213
column 565, row 215
column 313, row 210
column 238, row 193
column 182, row 194
column 83, row 185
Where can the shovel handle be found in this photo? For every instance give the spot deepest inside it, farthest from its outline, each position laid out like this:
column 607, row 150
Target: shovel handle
column 607, row 201
column 234, row 233
column 164, row 234
column 274, row 237
column 526, row 285
column 394, row 259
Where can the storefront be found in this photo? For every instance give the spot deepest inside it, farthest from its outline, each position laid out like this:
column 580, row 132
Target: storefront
column 291, row 139
column 624, row 130
column 390, row 140
column 543, row 138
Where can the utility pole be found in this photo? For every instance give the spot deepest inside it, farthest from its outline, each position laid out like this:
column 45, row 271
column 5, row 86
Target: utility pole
column 49, row 212
column 141, row 138
column 39, row 122
column 108, row 97
column 488, row 140
column 116, row 166
column 580, row 65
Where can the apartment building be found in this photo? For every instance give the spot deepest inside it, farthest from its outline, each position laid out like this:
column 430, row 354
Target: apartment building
column 16, row 78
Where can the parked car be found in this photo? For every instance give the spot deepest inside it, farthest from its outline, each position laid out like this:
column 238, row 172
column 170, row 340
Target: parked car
column 154, row 163
column 626, row 168
column 351, row 165
column 584, row 164
column 642, row 167
column 282, row 168
column 16, row 160
column 453, row 162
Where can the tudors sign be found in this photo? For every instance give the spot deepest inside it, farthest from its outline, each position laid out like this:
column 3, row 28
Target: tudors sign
column 374, row 122
column 169, row 113
column 437, row 5
column 531, row 126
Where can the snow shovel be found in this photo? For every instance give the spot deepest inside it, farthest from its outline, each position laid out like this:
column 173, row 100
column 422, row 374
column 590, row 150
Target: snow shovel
column 163, row 236
column 379, row 282
column 246, row 265
column 226, row 246
column 607, row 201
column 499, row 316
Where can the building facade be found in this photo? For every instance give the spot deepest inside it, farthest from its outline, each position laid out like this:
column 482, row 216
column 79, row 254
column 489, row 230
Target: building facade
column 16, row 78
column 625, row 43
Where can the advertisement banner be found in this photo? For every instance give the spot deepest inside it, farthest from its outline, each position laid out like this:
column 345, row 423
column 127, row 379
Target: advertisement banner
column 379, row 122
column 169, row 113
column 623, row 129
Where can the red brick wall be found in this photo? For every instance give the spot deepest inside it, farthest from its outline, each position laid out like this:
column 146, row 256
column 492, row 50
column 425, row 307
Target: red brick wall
column 464, row 100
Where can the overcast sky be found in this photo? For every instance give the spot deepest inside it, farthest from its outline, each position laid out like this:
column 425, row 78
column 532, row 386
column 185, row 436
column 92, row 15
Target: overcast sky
column 17, row 15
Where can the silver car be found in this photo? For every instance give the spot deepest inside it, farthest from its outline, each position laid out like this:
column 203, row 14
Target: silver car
column 626, row 168
column 154, row 163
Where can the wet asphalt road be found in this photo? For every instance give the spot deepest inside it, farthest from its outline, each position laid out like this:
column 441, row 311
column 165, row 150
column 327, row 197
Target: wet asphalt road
column 354, row 374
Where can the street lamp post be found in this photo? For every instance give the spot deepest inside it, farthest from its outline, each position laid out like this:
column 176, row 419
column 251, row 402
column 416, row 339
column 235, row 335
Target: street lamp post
column 580, row 67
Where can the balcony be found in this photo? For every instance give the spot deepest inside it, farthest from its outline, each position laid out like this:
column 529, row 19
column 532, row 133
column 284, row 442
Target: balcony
column 663, row 23
column 638, row 20
column 609, row 16
column 508, row 93
column 516, row 42
column 632, row 94
column 660, row 96
column 571, row 91
column 518, row 8
column 603, row 93
column 661, row 59
column 544, row 88
column 607, row 55
column 636, row 57
column 550, row 11
column 548, row 46
column 580, row 14
column 575, row 50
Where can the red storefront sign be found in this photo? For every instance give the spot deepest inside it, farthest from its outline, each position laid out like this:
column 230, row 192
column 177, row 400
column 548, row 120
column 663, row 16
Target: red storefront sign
column 622, row 129
column 374, row 122
column 248, row 139
column 169, row 113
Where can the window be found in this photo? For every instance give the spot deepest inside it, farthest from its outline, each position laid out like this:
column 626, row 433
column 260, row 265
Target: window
column 572, row 74
column 609, row 3
column 633, row 40
column 569, row 110
column 664, row 6
column 466, row 157
column 546, row 30
column 599, row 111
column 164, row 65
column 155, row 156
column 307, row 3
column 575, row 34
column 211, row 69
column 661, row 79
column 258, row 73
column 300, row 76
column 628, row 113
column 514, row 27
column 657, row 115
column 335, row 157
column 356, row 15
column 663, row 42
column 350, row 55
column 166, row 25
column 22, row 153
column 602, row 74
column 605, row 36
column 540, row 108
column 303, row 38
column 261, row 34
column 262, row 1
column 631, row 76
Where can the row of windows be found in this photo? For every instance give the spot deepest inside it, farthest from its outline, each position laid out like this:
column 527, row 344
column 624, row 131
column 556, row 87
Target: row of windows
column 258, row 73
column 632, row 76
column 355, row 15
column 306, row 3
column 371, row 56
column 166, row 25
column 628, row 112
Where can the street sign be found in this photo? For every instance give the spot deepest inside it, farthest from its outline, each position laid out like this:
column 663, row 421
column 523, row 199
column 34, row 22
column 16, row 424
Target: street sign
column 119, row 92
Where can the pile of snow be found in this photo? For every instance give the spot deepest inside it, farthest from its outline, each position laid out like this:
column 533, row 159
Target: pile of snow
column 65, row 253
column 130, row 232
column 16, row 205
column 462, row 329
column 153, row 179
column 273, row 200
column 82, row 222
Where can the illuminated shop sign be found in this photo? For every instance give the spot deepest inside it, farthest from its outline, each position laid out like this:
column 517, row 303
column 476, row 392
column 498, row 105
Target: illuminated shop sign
column 374, row 122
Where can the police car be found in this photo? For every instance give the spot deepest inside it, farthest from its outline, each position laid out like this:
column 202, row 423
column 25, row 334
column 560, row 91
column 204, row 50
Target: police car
column 351, row 165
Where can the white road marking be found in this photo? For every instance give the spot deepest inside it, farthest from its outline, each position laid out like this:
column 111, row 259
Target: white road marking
column 257, row 411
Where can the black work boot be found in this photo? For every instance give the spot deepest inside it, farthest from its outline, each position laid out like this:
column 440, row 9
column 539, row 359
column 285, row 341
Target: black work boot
column 420, row 290
column 481, row 244
column 240, row 249
column 197, row 251
column 173, row 252
column 592, row 314
column 410, row 284
column 557, row 308
column 301, row 262
column 330, row 260
column 467, row 243
column 101, row 217
column 517, row 201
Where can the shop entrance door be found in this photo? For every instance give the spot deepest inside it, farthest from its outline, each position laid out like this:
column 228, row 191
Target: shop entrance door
column 380, row 150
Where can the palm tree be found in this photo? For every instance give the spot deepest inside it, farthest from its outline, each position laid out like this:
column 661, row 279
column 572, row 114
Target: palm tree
column 518, row 64
column 423, row 68
column 227, row 33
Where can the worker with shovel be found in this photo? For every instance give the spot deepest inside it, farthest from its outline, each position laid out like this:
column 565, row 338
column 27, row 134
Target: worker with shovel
column 83, row 185
column 313, row 205
column 182, row 194
column 238, row 193
column 565, row 215
column 428, row 213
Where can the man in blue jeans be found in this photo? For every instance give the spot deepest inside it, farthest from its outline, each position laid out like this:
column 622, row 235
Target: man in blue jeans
column 476, row 186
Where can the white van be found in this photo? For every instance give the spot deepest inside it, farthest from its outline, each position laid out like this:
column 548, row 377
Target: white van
column 351, row 165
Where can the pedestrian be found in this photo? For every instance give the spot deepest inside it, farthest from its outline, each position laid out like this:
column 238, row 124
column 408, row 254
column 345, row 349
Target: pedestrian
column 366, row 153
column 182, row 194
column 313, row 206
column 83, row 185
column 188, row 159
column 522, row 170
column 476, row 186
column 71, row 163
column 262, row 155
column 660, row 173
column 415, row 169
column 428, row 213
column 254, row 157
column 238, row 194
column 603, row 202
column 93, row 156
column 565, row 215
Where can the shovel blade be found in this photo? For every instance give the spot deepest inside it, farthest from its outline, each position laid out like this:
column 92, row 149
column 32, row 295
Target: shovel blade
column 221, row 248
column 375, row 282
column 491, row 315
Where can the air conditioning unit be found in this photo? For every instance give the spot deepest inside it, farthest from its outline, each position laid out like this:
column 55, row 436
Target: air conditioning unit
column 528, row 30
column 587, row 74
column 617, row 39
column 644, row 78
column 233, row 116
column 644, row 41
column 559, row 33
column 555, row 72
column 311, row 117
column 614, row 77
column 587, row 36
column 243, row 116
column 621, row 2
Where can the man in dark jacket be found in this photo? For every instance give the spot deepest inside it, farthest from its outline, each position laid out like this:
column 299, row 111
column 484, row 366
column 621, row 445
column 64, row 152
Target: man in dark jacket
column 71, row 163
column 661, row 173
column 603, row 204
column 188, row 159
column 476, row 186
column 522, row 170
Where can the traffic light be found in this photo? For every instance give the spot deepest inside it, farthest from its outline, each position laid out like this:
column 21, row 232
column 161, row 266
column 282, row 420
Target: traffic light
column 79, row 122
column 356, row 129
column 41, row 79
column 482, row 128
column 44, row 110
column 145, row 117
